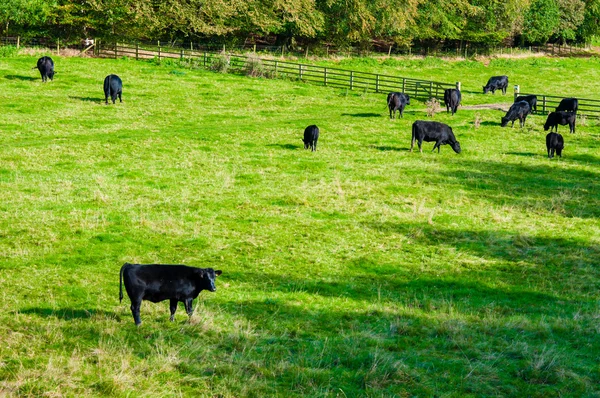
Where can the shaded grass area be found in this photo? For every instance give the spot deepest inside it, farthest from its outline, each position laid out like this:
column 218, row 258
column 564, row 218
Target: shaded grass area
column 358, row 270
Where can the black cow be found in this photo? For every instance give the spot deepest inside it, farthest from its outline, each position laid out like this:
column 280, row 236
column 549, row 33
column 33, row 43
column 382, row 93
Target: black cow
column 554, row 142
column 158, row 282
column 311, row 136
column 113, row 87
column 568, row 105
column 531, row 100
column 518, row 110
column 562, row 118
column 46, row 67
column 452, row 99
column 433, row 131
column 496, row 83
column 397, row 102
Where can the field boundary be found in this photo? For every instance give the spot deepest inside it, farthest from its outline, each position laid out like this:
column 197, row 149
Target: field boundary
column 418, row 89
column 547, row 103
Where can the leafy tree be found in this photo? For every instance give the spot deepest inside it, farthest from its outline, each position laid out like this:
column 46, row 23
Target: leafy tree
column 24, row 12
column 572, row 13
column 541, row 21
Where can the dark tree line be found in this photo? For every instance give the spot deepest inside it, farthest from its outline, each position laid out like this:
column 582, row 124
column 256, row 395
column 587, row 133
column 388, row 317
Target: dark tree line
column 336, row 22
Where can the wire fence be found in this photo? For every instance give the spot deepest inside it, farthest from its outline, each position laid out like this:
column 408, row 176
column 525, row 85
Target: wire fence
column 331, row 77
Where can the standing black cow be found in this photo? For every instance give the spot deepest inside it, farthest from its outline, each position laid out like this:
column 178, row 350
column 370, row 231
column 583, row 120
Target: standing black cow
column 554, row 142
column 562, row 118
column 518, row 110
column 531, row 100
column 433, row 131
column 568, row 105
column 311, row 136
column 46, row 67
column 452, row 99
column 496, row 83
column 159, row 282
column 113, row 87
column 397, row 102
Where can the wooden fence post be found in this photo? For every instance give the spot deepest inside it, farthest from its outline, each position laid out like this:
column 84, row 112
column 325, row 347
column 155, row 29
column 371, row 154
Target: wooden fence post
column 159, row 52
column 458, row 86
column 204, row 58
column 116, row 49
column 276, row 67
column 181, row 55
column 137, row 51
column 351, row 80
column 544, row 104
column 325, row 76
column 377, row 82
column 18, row 41
column 517, row 89
column 300, row 71
column 306, row 55
column 403, row 85
column 430, row 90
column 58, row 47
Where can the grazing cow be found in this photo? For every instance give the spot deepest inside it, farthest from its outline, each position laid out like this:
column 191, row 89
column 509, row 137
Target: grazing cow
column 531, row 100
column 397, row 102
column 518, row 110
column 113, row 87
column 554, row 142
column 496, row 83
column 562, row 118
column 568, row 105
column 452, row 99
column 433, row 131
column 311, row 136
column 158, row 282
column 46, row 67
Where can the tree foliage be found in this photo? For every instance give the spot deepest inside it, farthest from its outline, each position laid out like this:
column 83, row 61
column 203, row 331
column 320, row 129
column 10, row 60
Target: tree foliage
column 342, row 22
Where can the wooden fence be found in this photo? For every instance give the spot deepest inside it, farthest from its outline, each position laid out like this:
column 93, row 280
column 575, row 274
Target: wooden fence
column 331, row 77
column 548, row 103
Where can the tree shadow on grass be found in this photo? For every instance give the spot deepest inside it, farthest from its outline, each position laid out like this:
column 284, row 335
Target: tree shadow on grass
column 291, row 147
column 67, row 313
column 526, row 154
column 367, row 114
column 541, row 187
column 584, row 158
column 88, row 99
column 22, row 78
column 389, row 148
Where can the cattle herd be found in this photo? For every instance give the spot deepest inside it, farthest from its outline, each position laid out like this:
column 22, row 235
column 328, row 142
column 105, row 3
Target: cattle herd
column 180, row 283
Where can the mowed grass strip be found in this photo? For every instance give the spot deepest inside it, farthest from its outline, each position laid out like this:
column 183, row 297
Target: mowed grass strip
column 359, row 270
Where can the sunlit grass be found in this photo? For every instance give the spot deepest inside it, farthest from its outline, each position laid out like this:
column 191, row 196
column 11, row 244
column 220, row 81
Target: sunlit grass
column 357, row 270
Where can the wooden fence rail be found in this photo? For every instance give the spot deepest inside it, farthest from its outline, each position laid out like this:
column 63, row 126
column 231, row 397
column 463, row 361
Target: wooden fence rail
column 548, row 103
column 332, row 77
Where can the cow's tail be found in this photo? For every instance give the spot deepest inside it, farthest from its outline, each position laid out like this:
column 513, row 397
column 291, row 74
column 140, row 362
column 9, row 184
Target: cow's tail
column 121, row 282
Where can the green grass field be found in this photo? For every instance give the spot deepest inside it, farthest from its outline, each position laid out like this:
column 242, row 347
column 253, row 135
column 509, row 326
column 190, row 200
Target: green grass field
column 357, row 270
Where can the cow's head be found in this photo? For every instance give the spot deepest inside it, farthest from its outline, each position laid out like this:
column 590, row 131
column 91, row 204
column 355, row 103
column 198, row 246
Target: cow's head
column 209, row 276
column 407, row 99
column 486, row 89
column 456, row 146
column 546, row 126
column 505, row 121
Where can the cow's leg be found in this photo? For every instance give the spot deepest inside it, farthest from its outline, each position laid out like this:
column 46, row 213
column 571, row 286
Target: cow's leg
column 173, row 308
column 412, row 143
column 106, row 99
column 120, row 100
column 401, row 112
column 188, row 306
column 314, row 148
column 437, row 145
column 420, row 146
column 135, row 310
column 549, row 153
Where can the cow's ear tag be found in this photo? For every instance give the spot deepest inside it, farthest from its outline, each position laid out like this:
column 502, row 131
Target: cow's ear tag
column 218, row 272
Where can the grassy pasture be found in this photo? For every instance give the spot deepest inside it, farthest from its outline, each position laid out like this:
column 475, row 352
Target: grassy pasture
column 358, row 270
